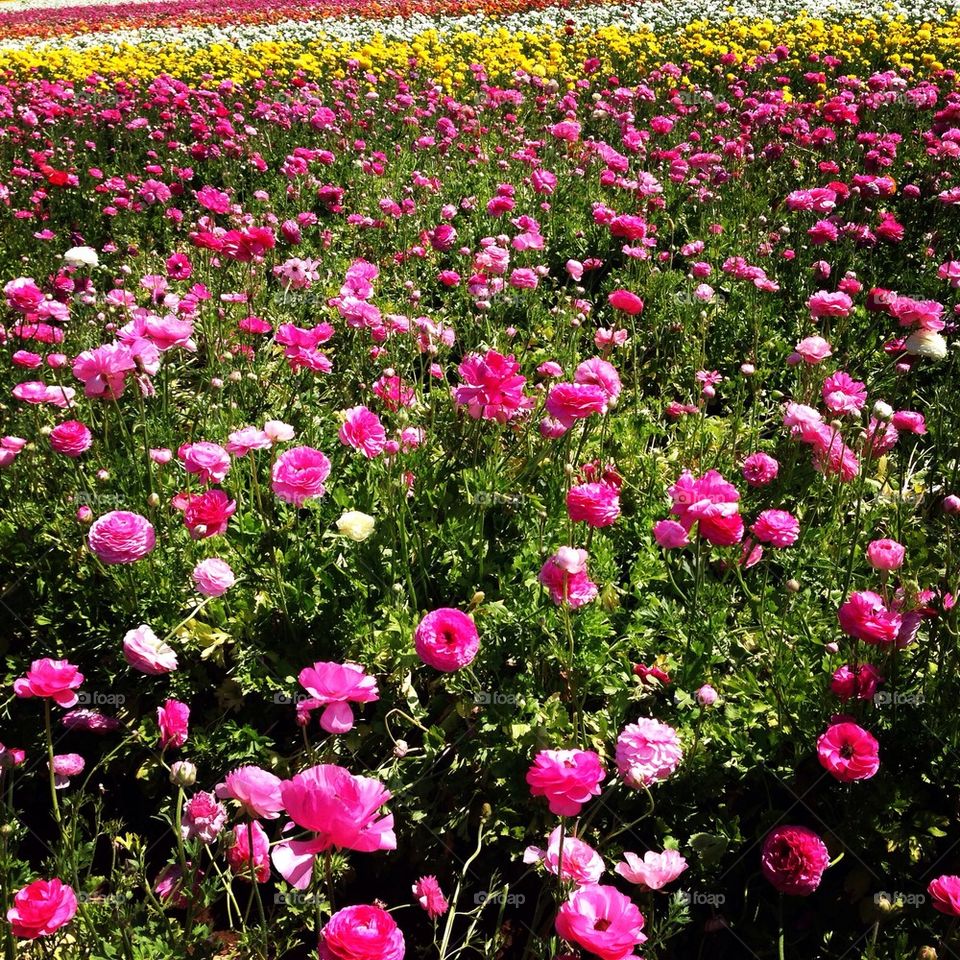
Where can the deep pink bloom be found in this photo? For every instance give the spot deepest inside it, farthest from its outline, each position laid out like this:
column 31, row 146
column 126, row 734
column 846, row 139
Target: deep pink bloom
column 121, row 537
column 492, row 387
column 647, row 751
column 173, row 718
column 565, row 576
column 848, row 752
column 363, row 431
column 569, row 402
column 209, row 461
column 861, row 682
column 446, row 639
column 255, row 789
column 597, row 504
column 670, row 535
column 842, row 394
column 208, row 513
column 626, row 301
column 886, row 554
column 567, row 778
column 759, row 469
column 71, row 438
column 793, row 859
column 866, row 617
column 776, row 527
column 245, row 861
column 299, row 474
column 365, row 932
column 945, row 894
column 41, row 908
column 335, row 686
column 602, row 920
column 56, row 679
column 711, row 503
column 429, row 895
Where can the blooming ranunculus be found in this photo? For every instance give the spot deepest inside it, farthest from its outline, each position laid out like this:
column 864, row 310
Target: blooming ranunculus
column 56, row 679
column 670, row 535
column 793, row 860
column 569, row 402
column 577, row 860
column 41, row 908
column 776, row 527
column 945, row 894
column 597, row 504
column 255, row 789
column 208, row 513
column 626, row 301
column 203, row 817
column 647, row 751
column 759, row 469
column 865, row 616
column 568, row 582
column 246, row 858
column 654, row 871
column 446, row 639
column 567, row 778
column 173, row 719
column 492, row 387
column 848, row 752
column 121, row 537
column 364, row 932
column 335, row 686
column 356, row 525
column 71, row 438
column 209, row 461
column 860, row 682
column 213, row 577
column 146, row 652
column 602, row 920
column 362, row 430
column 65, row 766
column 430, row 897
column 299, row 474
column 711, row 503
column 886, row 554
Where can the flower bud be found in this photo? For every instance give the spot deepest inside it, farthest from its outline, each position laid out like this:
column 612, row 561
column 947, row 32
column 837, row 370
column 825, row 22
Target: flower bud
column 183, row 774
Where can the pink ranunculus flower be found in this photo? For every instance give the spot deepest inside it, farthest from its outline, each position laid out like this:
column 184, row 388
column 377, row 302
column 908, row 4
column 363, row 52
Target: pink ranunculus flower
column 65, row 766
column 759, row 469
column 203, row 817
column 670, row 535
column 213, row 577
column 597, row 504
column 364, row 932
column 121, row 537
column 335, row 686
column 945, row 894
column 246, row 859
column 255, row 789
column 71, row 438
column 842, row 394
column 865, row 616
column 577, row 861
column 647, row 751
column 173, row 718
column 860, row 682
column 208, row 514
column 429, row 895
column 793, row 859
column 362, row 430
column 776, row 527
column 811, row 350
column 565, row 576
column 146, row 652
column 299, row 474
column 626, row 301
column 848, row 752
column 41, row 908
column 569, row 402
column 567, row 778
column 247, row 439
column 492, row 387
column 446, row 639
column 56, row 679
column 711, row 503
column 602, row 920
column 886, row 554
column 209, row 461
column 600, row 373
column 654, row 871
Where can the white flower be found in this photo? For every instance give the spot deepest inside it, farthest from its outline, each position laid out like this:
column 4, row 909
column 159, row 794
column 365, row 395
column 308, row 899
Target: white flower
column 926, row 343
column 356, row 525
column 81, row 257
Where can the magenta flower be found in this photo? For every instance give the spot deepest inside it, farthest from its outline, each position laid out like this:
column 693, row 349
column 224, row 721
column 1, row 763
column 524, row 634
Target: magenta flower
column 603, row 921
column 203, row 817
column 865, row 616
column 446, row 639
column 945, row 894
column 41, row 908
column 71, row 438
column 173, row 718
column 567, row 778
column 793, row 859
column 363, row 431
column 776, row 527
column 335, row 686
column 209, row 461
column 492, row 387
column 364, row 932
column 429, row 895
column 208, row 513
column 121, row 537
column 299, row 474
column 245, row 858
column 56, row 679
column 565, row 576
column 848, row 752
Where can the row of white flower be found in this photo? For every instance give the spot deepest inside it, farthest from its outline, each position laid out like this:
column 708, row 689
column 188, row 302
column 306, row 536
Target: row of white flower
column 659, row 15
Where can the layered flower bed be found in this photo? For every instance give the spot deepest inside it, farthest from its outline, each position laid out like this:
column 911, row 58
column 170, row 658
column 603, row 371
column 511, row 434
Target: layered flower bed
column 479, row 481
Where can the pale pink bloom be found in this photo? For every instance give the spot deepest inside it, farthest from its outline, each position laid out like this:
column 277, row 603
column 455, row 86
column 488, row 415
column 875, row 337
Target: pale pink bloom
column 363, row 431
column 56, row 679
column 146, row 652
column 278, row 431
column 886, row 554
column 256, row 790
column 826, row 304
column 203, row 817
column 213, row 577
column 654, row 871
column 121, row 537
column 335, row 686
column 65, row 766
column 647, row 751
column 209, row 461
column 707, row 696
column 246, row 440
column 567, row 778
column 577, row 860
column 670, row 535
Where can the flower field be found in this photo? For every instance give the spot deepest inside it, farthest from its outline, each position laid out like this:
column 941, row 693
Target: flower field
column 479, row 479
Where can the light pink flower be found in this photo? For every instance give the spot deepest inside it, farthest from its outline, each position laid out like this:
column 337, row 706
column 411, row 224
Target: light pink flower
column 209, row 461
column 146, row 652
column 647, row 751
column 256, row 790
column 121, row 537
column 886, row 554
column 335, row 686
column 203, row 817
column 578, row 861
column 213, row 577
column 654, row 871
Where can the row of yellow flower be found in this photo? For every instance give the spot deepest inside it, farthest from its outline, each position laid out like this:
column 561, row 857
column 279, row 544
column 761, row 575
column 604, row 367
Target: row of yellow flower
column 860, row 43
